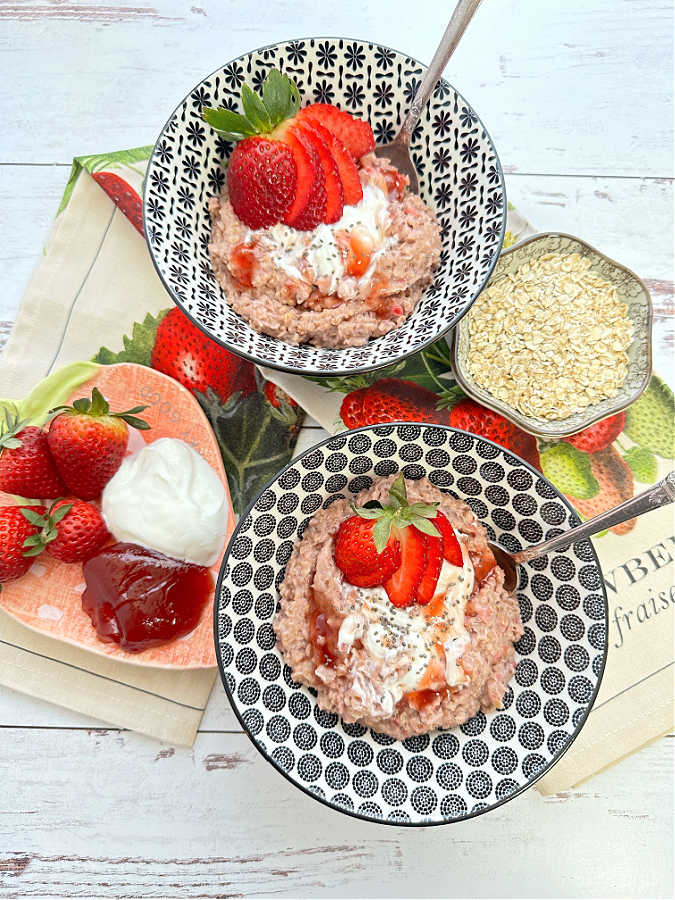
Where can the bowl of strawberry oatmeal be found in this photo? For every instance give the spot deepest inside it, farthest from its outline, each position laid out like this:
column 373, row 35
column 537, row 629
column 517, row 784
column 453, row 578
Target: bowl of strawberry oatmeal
column 367, row 644
column 277, row 230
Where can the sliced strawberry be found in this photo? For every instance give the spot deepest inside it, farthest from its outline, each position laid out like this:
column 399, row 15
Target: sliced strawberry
column 402, row 586
column 356, row 555
column 452, row 550
column 434, row 553
column 309, row 204
column 334, row 191
column 347, row 170
column 356, row 135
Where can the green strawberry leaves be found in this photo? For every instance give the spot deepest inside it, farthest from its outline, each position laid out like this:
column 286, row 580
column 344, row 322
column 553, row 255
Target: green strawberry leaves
column 10, row 425
column 138, row 347
column 642, row 464
column 280, row 100
column 36, row 543
column 98, row 406
column 398, row 513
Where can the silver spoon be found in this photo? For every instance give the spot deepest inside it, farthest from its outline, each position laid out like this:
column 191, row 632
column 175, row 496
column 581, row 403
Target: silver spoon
column 398, row 151
column 658, row 495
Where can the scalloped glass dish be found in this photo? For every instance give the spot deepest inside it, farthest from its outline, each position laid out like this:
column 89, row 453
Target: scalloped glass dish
column 630, row 289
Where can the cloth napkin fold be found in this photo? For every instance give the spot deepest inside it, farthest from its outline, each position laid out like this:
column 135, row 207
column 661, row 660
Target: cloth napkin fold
column 95, row 294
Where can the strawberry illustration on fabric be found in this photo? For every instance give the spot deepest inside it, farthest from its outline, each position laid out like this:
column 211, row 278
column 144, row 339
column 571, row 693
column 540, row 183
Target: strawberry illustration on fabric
column 391, row 400
column 123, row 196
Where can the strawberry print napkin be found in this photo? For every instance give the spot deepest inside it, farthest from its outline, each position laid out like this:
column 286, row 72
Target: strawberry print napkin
column 596, row 470
column 95, row 297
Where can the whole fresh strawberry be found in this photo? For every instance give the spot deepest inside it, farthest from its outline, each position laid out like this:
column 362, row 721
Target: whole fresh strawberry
column 183, row 352
column 290, row 165
column 71, row 530
column 471, row 416
column 26, row 465
column 88, row 442
column 15, row 530
column 597, row 437
column 391, row 400
column 123, row 195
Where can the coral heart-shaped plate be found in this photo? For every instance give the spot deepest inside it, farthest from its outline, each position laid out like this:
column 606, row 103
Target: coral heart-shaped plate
column 48, row 598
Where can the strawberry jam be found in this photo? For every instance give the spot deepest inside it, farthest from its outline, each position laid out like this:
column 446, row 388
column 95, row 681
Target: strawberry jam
column 242, row 263
column 139, row 598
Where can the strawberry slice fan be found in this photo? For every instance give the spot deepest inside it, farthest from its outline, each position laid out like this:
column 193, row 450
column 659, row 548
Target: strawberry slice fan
column 290, row 165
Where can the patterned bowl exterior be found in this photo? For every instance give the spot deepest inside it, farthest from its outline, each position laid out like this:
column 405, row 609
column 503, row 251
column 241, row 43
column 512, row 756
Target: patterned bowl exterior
column 442, row 776
column 629, row 289
column 459, row 173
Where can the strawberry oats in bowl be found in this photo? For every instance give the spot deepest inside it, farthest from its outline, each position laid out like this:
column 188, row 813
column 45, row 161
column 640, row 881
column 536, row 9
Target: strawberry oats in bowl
column 278, row 230
column 314, row 239
column 366, row 641
column 413, row 636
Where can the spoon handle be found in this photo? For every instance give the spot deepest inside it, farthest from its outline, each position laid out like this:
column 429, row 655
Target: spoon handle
column 658, row 495
column 456, row 27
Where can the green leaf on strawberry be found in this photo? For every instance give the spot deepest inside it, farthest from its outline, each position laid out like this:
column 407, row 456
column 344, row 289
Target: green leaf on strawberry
column 138, row 347
column 570, row 470
column 280, row 100
column 398, row 514
column 642, row 464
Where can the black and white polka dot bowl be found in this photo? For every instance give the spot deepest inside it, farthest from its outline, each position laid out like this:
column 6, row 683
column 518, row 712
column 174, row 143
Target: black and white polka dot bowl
column 459, row 174
column 444, row 776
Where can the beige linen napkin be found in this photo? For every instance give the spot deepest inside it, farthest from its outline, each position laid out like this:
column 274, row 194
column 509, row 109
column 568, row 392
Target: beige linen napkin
column 94, row 280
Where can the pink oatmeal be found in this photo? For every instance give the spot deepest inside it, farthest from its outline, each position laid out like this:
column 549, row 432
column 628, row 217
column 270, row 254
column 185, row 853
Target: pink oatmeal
column 319, row 635
column 338, row 285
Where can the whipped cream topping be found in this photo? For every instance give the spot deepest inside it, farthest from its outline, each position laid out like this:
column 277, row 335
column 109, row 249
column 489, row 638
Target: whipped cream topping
column 294, row 250
column 403, row 644
column 166, row 497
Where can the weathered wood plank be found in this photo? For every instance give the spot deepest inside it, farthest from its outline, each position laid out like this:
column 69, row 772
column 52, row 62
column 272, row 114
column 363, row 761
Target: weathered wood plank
column 113, row 814
column 575, row 87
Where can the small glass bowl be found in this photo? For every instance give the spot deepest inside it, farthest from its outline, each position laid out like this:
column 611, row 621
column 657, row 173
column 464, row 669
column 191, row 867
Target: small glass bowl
column 630, row 290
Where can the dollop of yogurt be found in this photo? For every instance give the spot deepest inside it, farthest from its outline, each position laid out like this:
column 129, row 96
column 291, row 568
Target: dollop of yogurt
column 166, row 497
column 403, row 643
column 319, row 249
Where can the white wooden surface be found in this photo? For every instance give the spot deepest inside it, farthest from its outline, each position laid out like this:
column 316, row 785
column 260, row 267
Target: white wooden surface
column 578, row 98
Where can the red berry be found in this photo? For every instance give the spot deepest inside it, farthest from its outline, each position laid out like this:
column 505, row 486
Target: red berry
column 14, row 529
column 433, row 548
column 599, row 436
column 81, row 533
column 185, row 353
column 356, row 134
column 123, row 195
column 334, row 191
column 402, row 586
column 352, row 188
column 29, row 470
column 261, row 181
column 452, row 550
column 309, row 205
column 471, row 416
column 88, row 442
column 357, row 557
column 391, row 400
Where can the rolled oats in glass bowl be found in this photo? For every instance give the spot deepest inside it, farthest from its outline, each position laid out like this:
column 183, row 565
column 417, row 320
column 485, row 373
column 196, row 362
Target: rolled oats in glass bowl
column 559, row 339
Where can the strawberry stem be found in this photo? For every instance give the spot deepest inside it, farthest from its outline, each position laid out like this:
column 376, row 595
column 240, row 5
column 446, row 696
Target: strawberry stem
column 398, row 513
column 99, row 406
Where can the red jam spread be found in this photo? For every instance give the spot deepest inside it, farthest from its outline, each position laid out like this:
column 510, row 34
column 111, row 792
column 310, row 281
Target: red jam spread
column 242, row 263
column 139, row 598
